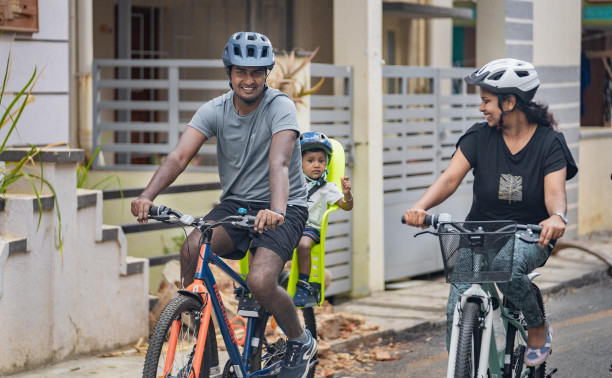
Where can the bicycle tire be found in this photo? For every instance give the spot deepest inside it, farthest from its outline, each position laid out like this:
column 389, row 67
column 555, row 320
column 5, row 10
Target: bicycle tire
column 188, row 309
column 518, row 351
column 268, row 352
column 469, row 323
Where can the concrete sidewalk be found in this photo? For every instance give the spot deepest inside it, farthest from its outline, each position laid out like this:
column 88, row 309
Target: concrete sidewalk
column 400, row 314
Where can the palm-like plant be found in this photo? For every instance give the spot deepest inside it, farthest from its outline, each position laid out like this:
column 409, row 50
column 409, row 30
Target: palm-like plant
column 286, row 78
column 26, row 168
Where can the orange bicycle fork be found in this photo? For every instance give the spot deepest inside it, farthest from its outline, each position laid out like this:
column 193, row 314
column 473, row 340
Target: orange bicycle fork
column 204, row 280
column 197, row 287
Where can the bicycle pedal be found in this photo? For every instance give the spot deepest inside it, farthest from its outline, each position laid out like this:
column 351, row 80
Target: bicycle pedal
column 215, row 372
column 550, row 372
column 248, row 307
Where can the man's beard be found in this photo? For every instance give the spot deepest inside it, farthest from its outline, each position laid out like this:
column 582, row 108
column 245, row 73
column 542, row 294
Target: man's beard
column 249, row 101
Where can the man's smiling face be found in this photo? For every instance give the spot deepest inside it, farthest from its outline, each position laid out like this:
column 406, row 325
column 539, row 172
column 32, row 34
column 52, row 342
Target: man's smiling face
column 248, row 82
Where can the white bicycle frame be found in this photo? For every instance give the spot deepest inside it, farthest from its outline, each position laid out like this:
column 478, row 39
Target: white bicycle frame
column 487, row 342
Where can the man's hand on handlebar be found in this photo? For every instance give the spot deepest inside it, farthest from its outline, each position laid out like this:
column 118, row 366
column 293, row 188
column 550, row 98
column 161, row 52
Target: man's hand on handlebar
column 415, row 217
column 552, row 229
column 140, row 209
column 268, row 219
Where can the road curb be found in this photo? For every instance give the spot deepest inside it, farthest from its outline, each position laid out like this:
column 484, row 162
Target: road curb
column 587, row 279
column 415, row 331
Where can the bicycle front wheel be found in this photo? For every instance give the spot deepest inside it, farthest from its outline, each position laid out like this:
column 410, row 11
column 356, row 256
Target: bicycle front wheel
column 468, row 347
column 183, row 314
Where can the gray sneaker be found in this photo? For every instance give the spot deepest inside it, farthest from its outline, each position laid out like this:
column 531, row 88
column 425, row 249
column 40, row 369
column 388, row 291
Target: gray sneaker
column 298, row 357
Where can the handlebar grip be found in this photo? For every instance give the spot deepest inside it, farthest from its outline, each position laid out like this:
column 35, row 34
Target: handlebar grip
column 157, row 210
column 429, row 220
column 535, row 228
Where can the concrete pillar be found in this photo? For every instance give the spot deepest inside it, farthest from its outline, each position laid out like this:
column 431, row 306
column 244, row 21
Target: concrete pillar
column 84, row 59
column 504, row 29
column 557, row 30
column 440, row 44
column 358, row 43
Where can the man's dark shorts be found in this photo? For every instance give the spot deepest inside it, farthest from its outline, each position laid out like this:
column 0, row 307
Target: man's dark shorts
column 282, row 240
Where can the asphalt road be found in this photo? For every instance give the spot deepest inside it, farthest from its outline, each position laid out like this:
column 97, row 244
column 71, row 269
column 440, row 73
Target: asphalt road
column 582, row 342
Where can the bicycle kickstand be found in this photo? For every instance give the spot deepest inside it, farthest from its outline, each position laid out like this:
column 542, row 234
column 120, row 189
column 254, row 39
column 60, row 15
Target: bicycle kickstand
column 550, row 373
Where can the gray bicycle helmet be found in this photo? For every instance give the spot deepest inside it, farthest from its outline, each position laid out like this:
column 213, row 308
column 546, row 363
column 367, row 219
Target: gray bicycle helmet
column 248, row 49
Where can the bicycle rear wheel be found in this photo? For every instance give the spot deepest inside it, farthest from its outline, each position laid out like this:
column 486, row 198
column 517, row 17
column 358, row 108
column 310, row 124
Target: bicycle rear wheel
column 187, row 312
column 468, row 347
column 517, row 345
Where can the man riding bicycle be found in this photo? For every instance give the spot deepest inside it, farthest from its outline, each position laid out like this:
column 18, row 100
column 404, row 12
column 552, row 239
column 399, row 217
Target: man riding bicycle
column 259, row 163
column 520, row 166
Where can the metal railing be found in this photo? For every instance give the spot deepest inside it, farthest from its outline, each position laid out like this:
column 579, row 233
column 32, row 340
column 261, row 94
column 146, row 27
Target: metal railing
column 147, row 103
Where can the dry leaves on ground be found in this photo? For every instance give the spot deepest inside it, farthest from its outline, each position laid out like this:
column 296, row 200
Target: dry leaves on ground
column 330, row 363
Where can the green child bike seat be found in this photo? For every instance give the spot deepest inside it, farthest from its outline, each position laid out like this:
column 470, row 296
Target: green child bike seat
column 335, row 170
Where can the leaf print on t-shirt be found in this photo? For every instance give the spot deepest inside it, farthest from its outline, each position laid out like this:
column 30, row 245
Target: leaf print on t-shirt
column 510, row 188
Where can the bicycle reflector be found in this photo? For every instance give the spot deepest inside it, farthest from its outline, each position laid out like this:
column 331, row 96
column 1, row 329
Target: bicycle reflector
column 242, row 211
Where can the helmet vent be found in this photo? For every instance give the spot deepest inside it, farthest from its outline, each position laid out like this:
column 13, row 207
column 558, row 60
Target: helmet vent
column 264, row 52
column 522, row 73
column 237, row 51
column 497, row 76
column 250, row 52
column 251, row 37
column 238, row 36
column 263, row 38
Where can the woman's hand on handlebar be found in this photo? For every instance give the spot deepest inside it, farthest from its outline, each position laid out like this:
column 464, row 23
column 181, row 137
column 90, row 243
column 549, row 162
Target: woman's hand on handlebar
column 552, row 229
column 268, row 219
column 140, row 209
column 415, row 217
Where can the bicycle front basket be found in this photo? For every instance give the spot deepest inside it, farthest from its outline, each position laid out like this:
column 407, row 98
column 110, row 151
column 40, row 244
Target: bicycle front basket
column 477, row 252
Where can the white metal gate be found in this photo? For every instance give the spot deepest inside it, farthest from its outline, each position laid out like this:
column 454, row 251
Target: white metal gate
column 425, row 111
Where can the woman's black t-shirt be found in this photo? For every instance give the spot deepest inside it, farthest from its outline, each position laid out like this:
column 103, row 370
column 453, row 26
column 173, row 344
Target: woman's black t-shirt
column 511, row 187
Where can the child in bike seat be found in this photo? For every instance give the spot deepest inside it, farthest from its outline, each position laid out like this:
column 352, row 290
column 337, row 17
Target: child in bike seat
column 316, row 154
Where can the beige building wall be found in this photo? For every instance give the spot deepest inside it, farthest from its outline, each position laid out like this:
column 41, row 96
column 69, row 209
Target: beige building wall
column 595, row 195
column 557, row 31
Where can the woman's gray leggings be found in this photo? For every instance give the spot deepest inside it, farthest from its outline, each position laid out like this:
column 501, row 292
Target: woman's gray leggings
column 527, row 257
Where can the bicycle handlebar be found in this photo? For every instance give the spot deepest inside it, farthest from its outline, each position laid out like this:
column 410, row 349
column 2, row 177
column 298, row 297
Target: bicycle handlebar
column 435, row 219
column 162, row 213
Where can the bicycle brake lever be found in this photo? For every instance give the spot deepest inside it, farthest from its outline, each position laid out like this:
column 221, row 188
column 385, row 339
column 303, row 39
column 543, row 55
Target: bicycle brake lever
column 424, row 232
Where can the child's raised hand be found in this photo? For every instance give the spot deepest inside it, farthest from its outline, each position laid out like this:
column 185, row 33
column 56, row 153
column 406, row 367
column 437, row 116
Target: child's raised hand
column 346, row 185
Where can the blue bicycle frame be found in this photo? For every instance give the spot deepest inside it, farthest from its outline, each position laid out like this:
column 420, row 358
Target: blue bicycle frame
column 207, row 289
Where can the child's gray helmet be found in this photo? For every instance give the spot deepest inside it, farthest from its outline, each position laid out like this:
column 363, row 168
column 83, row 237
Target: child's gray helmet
column 248, row 49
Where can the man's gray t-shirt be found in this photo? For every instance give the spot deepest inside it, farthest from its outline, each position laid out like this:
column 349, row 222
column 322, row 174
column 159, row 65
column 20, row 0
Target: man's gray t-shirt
column 243, row 145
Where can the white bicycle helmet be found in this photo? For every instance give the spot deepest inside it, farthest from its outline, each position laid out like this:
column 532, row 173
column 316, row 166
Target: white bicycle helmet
column 509, row 75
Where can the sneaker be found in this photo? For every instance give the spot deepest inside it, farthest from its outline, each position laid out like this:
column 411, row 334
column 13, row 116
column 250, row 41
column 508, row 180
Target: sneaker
column 298, row 357
column 301, row 294
column 536, row 356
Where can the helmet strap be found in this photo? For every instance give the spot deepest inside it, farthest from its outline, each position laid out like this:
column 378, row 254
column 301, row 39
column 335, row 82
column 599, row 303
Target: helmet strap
column 500, row 100
column 318, row 182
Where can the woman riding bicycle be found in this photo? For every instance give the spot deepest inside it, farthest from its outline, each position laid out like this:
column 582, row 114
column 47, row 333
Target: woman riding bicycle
column 520, row 167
